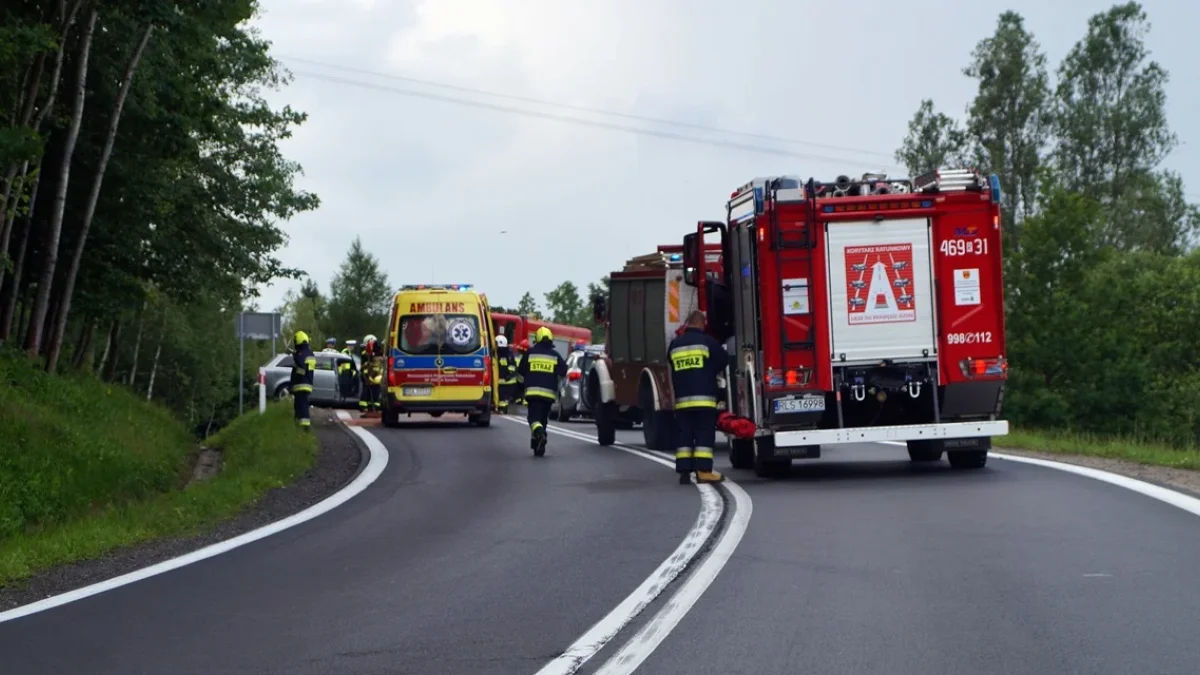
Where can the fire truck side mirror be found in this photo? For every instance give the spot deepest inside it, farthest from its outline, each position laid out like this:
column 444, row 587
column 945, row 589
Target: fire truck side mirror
column 599, row 310
column 691, row 259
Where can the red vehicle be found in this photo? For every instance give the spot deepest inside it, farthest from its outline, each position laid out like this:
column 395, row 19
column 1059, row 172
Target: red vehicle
column 859, row 311
column 516, row 329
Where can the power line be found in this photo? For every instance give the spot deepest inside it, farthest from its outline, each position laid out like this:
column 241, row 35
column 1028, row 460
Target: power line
column 584, row 122
column 579, row 108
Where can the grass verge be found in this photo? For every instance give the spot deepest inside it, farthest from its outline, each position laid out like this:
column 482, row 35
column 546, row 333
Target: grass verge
column 1092, row 445
column 86, row 468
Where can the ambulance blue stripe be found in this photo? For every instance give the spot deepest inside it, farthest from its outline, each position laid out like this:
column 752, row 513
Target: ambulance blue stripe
column 408, row 362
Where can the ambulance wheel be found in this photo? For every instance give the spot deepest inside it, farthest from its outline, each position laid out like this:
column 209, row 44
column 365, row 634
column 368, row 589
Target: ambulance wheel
column 606, row 429
column 765, row 464
column 924, row 451
column 741, row 453
column 391, row 418
column 967, row 459
column 481, row 420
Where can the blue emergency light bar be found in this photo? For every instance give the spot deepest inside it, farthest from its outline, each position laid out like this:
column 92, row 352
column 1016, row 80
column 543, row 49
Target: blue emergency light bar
column 676, row 257
column 437, row 287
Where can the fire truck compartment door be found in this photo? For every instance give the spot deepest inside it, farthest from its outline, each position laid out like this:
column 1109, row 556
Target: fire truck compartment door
column 880, row 291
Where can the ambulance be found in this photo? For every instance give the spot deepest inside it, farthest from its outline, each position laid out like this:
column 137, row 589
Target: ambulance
column 440, row 346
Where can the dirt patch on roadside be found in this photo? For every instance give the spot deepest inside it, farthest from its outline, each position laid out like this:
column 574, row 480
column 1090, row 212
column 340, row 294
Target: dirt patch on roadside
column 1184, row 480
column 338, row 461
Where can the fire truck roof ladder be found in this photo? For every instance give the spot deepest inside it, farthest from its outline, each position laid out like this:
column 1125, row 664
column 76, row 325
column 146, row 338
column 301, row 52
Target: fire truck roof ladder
column 950, row 180
column 802, row 244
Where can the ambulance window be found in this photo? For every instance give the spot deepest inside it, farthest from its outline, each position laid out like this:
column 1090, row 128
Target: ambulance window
column 427, row 334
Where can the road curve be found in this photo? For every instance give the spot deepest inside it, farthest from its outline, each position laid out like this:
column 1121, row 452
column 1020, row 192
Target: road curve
column 466, row 556
column 864, row 563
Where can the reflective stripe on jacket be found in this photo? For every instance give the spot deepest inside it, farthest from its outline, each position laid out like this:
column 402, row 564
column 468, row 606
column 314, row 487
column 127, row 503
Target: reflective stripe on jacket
column 540, row 370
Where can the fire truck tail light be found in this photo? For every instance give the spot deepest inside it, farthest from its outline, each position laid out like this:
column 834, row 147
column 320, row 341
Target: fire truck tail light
column 792, row 377
column 996, row 367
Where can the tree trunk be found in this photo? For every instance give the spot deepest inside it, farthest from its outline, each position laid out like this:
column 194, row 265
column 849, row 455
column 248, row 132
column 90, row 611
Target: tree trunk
column 56, row 339
column 10, row 214
column 66, row 19
column 137, row 343
column 154, row 366
column 114, row 338
column 26, row 104
column 8, row 313
column 33, row 341
column 84, row 350
column 108, row 347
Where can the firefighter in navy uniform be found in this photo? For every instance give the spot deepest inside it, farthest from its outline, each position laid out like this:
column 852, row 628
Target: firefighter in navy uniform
column 371, row 400
column 304, row 362
column 508, row 372
column 696, row 359
column 538, row 376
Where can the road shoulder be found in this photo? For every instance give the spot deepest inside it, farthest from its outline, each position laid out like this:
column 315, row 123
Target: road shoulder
column 1181, row 480
column 339, row 460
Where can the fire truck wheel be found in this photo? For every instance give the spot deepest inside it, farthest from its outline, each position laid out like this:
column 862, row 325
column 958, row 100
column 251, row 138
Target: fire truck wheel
column 657, row 425
column 765, row 464
column 606, row 430
column 741, row 453
column 924, row 451
column 968, row 459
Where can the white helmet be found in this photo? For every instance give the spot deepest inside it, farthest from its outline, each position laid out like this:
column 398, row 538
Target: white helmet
column 501, row 341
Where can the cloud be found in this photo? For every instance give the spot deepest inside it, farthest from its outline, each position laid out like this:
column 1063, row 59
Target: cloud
column 430, row 185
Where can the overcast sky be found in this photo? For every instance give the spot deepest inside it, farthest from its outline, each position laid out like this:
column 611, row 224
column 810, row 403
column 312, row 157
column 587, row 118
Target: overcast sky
column 446, row 192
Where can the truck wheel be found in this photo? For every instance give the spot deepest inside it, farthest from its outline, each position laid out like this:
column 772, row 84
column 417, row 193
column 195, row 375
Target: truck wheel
column 657, row 425
column 924, row 451
column 766, row 465
column 968, row 459
column 606, row 430
column 741, row 453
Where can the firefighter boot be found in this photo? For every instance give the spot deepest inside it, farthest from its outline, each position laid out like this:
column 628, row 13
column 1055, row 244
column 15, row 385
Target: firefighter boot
column 709, row 477
column 539, row 443
column 685, row 479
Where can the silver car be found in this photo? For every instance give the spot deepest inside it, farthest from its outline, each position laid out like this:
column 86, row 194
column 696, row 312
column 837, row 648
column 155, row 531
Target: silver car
column 570, row 396
column 328, row 388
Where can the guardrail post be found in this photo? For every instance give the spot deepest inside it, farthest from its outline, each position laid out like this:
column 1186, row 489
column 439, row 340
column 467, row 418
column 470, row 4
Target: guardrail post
column 262, row 390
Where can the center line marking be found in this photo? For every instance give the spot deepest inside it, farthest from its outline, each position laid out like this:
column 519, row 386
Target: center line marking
column 641, row 645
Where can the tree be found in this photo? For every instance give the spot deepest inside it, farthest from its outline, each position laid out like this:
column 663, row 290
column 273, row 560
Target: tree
column 1112, row 124
column 1009, row 120
column 359, row 295
column 564, row 304
column 934, row 140
column 527, row 305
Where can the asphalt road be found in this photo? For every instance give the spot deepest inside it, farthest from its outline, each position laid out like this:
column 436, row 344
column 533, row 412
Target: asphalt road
column 865, row 563
column 466, row 556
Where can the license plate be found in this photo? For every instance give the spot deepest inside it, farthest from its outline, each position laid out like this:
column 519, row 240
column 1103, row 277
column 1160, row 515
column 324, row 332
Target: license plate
column 417, row 391
column 809, row 403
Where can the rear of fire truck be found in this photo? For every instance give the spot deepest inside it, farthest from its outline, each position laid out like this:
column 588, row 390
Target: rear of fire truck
column 859, row 311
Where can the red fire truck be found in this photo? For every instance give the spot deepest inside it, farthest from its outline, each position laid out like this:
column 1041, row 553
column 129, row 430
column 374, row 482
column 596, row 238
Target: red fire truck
column 516, row 328
column 855, row 311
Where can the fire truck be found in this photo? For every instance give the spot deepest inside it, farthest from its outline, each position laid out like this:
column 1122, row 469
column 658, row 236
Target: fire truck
column 516, row 328
column 854, row 311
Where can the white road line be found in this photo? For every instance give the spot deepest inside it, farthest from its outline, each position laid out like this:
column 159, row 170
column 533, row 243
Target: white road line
column 1173, row 497
column 376, row 463
column 600, row 634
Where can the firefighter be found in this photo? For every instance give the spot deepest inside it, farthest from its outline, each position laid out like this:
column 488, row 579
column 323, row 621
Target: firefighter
column 330, row 346
column 372, row 377
column 519, row 358
column 304, row 362
column 508, row 371
column 345, row 371
column 696, row 359
column 538, row 376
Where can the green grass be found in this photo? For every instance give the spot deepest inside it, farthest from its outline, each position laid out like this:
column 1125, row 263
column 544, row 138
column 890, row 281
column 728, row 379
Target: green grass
column 1093, row 445
column 86, row 468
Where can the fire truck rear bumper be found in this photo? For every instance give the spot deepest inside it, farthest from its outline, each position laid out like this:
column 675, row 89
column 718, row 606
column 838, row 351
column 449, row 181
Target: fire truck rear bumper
column 907, row 432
